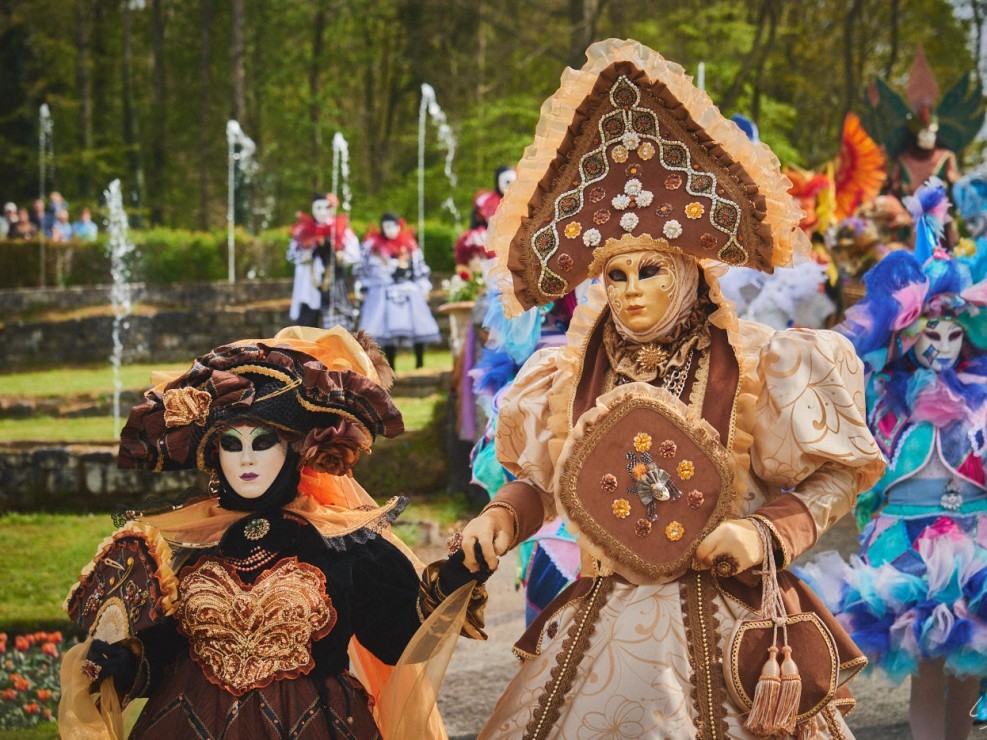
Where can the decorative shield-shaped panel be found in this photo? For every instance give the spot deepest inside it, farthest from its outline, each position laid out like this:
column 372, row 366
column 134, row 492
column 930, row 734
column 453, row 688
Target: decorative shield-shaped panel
column 645, row 479
column 129, row 586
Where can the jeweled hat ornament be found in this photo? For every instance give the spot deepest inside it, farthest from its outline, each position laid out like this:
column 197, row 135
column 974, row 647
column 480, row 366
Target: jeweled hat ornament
column 629, row 154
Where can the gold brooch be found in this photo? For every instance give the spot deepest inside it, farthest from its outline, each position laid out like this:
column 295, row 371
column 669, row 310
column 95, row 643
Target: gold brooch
column 650, row 356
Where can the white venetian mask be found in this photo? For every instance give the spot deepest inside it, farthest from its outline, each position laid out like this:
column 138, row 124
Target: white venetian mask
column 939, row 344
column 251, row 458
column 321, row 211
column 927, row 137
column 504, row 180
column 391, row 229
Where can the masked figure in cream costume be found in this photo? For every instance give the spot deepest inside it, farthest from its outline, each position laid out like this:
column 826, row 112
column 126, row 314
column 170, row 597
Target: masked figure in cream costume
column 678, row 442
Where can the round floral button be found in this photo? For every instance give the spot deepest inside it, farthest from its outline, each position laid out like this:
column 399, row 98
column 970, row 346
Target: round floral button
column 674, row 531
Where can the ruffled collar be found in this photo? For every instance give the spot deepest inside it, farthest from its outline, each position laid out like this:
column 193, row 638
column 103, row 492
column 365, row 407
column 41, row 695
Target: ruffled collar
column 656, row 359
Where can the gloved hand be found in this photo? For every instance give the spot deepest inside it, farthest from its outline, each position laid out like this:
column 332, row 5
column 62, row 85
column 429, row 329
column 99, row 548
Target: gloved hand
column 737, row 539
column 117, row 661
column 453, row 573
column 487, row 537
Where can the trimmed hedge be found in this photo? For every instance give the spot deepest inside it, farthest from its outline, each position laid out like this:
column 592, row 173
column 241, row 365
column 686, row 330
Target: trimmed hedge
column 176, row 255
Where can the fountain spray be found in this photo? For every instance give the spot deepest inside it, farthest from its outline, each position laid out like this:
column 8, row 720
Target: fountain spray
column 430, row 107
column 241, row 149
column 46, row 155
column 341, row 166
column 120, row 249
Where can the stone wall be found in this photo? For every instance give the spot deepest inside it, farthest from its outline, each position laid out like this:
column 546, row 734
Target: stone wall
column 170, row 323
column 16, row 303
column 80, row 478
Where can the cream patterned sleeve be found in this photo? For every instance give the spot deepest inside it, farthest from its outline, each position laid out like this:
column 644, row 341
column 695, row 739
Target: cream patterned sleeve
column 810, row 434
column 523, row 434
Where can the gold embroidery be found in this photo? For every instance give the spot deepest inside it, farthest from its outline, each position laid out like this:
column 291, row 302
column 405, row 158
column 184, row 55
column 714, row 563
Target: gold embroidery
column 702, row 627
column 546, row 713
column 697, row 394
column 246, row 637
column 184, row 405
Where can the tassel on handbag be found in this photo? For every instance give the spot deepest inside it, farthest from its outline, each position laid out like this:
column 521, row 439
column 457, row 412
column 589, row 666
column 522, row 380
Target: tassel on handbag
column 760, row 721
column 775, row 706
column 786, row 716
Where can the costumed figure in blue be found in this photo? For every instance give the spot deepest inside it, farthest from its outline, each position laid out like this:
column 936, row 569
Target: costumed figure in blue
column 322, row 246
column 549, row 560
column 914, row 599
column 395, row 279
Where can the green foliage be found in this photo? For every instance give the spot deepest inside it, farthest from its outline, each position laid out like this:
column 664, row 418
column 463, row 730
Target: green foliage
column 180, row 255
column 491, row 65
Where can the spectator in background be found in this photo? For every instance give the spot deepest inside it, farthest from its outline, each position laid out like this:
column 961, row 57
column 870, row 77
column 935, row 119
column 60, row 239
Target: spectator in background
column 85, row 230
column 8, row 220
column 38, row 214
column 61, row 228
column 24, row 227
column 56, row 203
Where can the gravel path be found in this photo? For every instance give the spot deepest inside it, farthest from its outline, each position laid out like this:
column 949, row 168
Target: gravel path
column 480, row 670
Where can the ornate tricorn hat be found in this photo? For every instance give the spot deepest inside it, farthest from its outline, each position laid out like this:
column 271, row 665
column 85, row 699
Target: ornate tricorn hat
column 629, row 154
column 320, row 388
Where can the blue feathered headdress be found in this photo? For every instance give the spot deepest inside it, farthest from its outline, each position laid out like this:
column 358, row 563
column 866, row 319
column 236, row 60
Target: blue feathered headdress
column 904, row 290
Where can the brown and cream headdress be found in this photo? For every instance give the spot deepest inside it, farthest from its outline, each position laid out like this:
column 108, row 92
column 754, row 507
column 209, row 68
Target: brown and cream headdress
column 629, row 154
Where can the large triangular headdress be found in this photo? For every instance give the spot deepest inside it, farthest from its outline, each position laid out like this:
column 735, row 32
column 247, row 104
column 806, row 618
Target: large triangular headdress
column 629, row 154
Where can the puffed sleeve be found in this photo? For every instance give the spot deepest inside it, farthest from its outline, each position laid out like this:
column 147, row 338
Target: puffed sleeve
column 525, row 438
column 810, row 435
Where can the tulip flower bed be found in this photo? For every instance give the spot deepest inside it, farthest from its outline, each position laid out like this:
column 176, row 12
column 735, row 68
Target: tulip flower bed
column 29, row 679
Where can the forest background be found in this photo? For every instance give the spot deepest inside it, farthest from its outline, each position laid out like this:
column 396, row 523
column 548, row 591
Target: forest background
column 142, row 89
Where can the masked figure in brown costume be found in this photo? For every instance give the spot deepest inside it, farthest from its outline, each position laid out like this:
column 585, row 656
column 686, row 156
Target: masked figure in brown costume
column 687, row 450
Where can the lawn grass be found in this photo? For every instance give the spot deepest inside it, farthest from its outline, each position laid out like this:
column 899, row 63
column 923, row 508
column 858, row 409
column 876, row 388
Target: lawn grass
column 91, row 429
column 98, row 379
column 41, row 557
column 417, row 413
column 69, row 381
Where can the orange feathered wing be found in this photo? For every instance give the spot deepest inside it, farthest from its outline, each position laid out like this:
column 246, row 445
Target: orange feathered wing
column 860, row 168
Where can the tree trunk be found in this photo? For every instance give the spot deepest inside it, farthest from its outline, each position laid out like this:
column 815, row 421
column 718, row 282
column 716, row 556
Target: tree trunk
column 893, row 18
column 205, row 135
column 315, row 97
column 849, row 67
column 370, row 114
column 237, row 63
column 772, row 10
column 732, row 94
column 583, row 15
column 159, row 149
column 130, row 124
column 83, row 30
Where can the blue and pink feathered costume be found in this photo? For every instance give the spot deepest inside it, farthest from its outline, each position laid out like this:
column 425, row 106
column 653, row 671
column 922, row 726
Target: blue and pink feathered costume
column 917, row 590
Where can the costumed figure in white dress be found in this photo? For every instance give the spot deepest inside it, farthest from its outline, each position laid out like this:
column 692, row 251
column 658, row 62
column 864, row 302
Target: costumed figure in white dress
column 322, row 246
column 915, row 597
column 692, row 455
column 280, row 604
column 395, row 281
